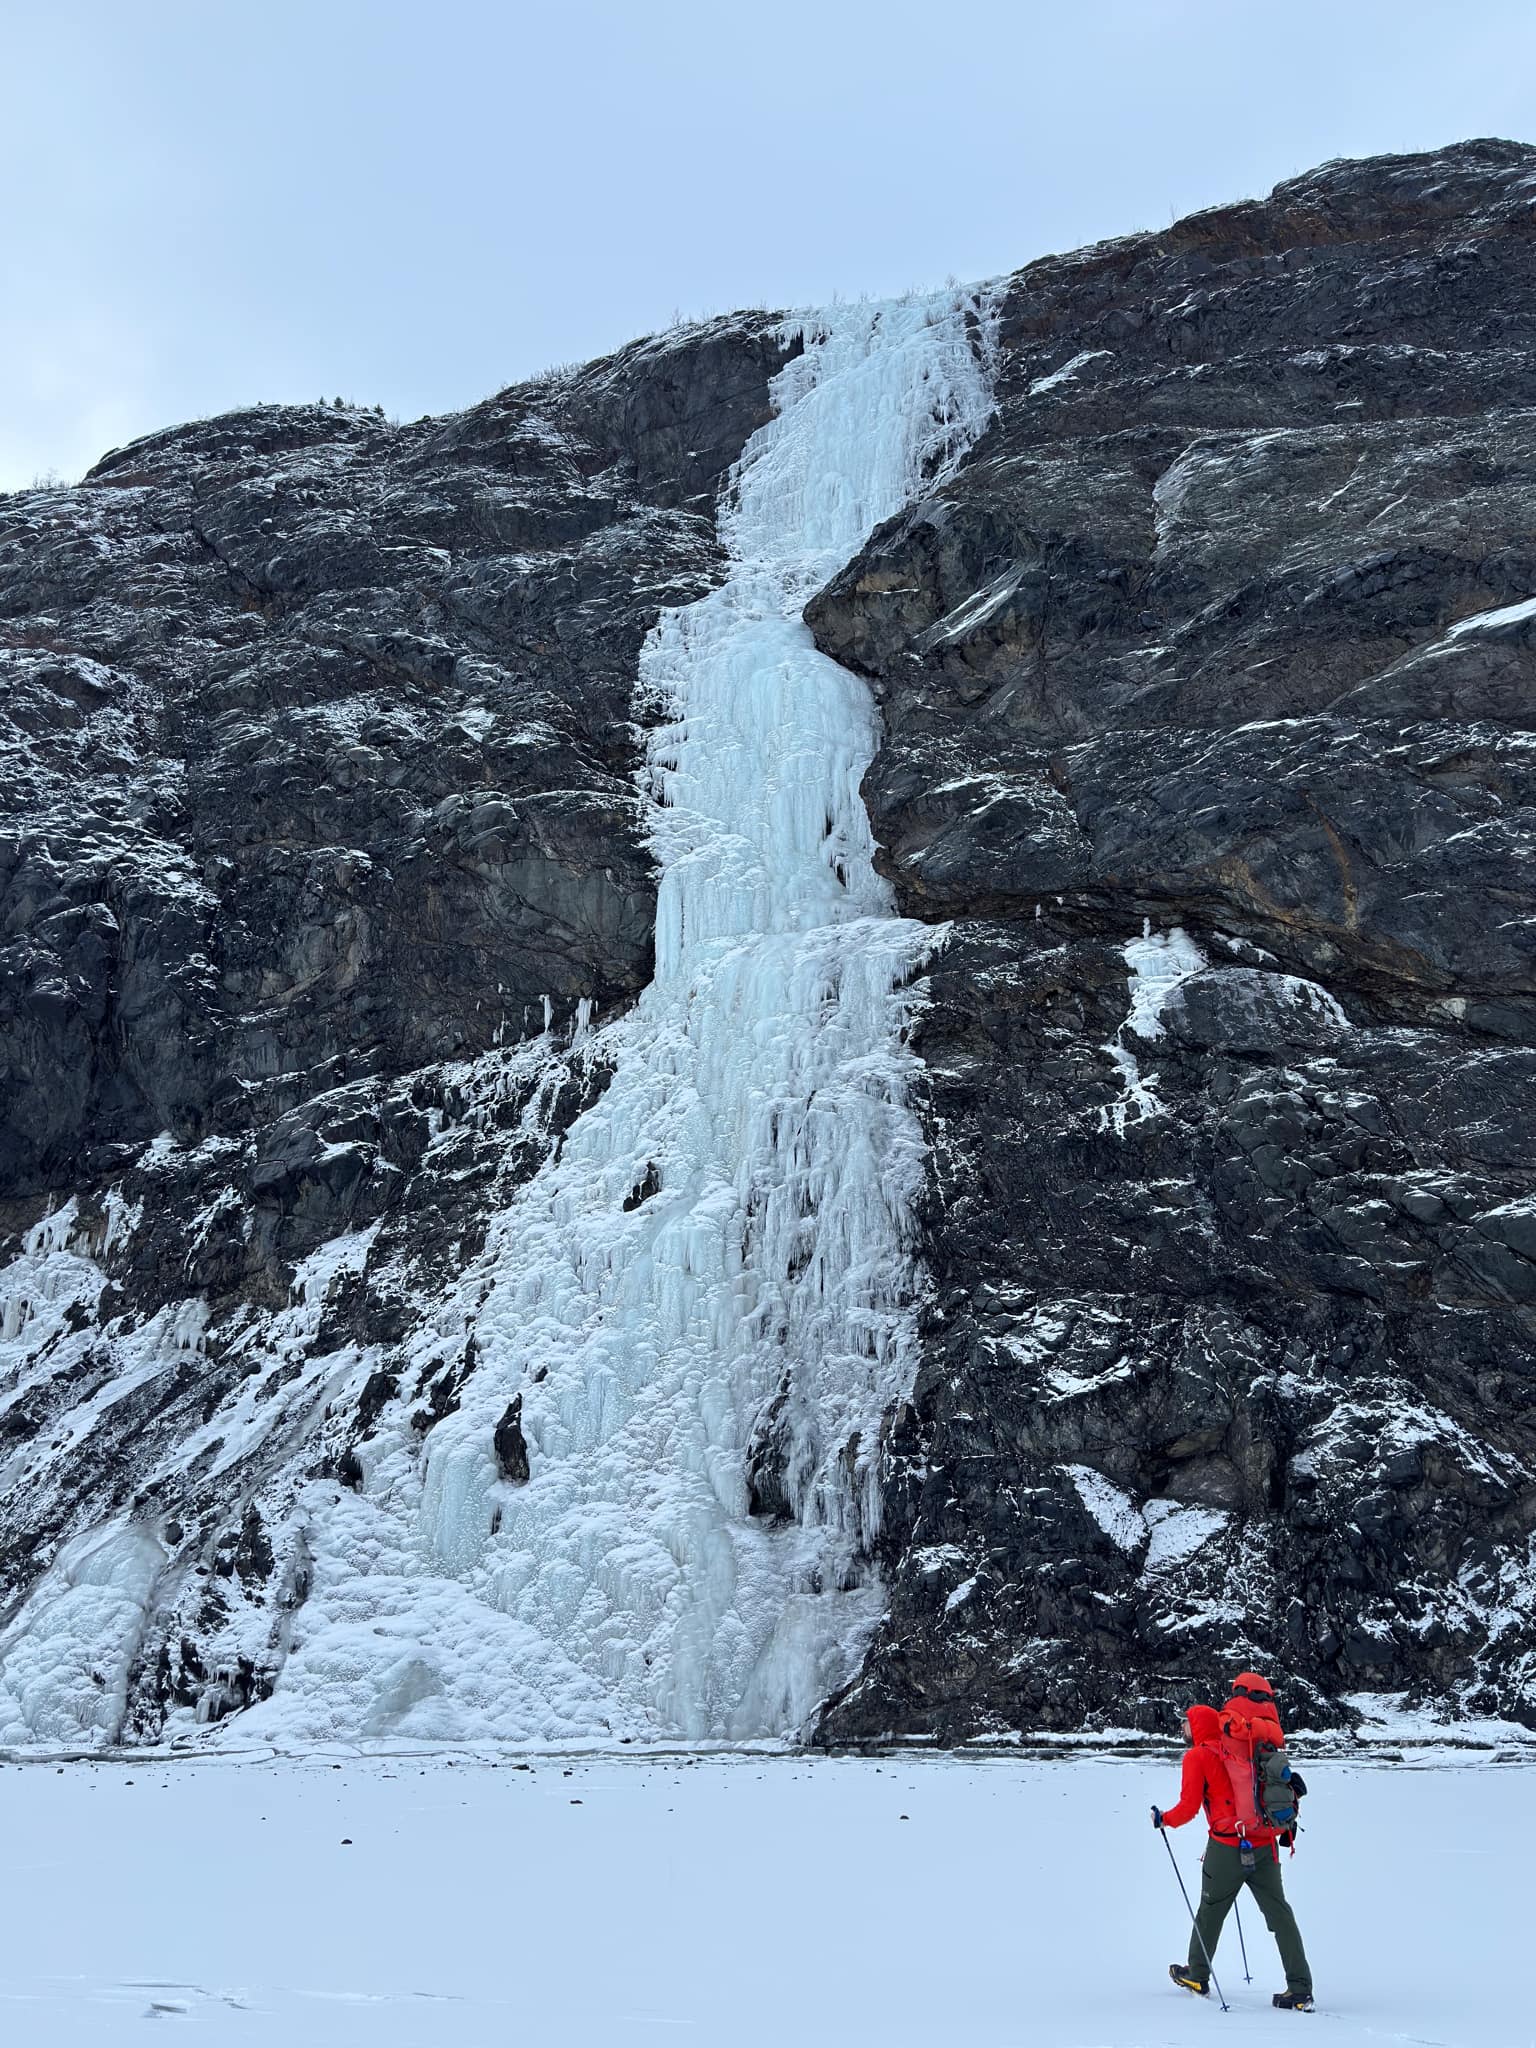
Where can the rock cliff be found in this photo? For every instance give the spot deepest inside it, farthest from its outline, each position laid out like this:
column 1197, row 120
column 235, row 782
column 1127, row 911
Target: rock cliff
column 1225, row 634
column 1208, row 686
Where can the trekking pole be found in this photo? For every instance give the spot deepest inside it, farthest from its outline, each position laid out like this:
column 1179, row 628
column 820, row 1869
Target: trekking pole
column 1237, row 1909
column 1193, row 1921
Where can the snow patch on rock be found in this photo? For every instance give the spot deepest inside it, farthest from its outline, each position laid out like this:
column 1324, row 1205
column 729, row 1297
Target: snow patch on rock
column 1158, row 961
column 1501, row 621
column 1069, row 370
column 1167, row 1532
column 1114, row 1511
column 1176, row 1532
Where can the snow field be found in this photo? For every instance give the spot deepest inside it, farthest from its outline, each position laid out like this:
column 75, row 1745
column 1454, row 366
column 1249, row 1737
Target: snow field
column 742, row 1901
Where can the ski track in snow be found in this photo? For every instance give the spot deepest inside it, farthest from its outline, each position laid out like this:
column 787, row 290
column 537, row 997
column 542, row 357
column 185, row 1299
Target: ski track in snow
column 901, row 1902
column 756, row 1124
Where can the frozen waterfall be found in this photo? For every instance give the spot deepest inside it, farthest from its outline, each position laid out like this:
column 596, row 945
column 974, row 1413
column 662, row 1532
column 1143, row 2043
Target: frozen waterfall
column 714, row 1274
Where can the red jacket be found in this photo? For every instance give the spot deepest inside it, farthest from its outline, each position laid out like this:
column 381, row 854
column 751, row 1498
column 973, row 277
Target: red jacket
column 1207, row 1784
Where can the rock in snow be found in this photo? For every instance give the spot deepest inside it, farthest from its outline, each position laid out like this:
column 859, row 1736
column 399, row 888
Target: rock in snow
column 828, row 1029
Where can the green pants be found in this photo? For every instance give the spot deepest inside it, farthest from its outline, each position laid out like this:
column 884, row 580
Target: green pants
column 1223, row 1878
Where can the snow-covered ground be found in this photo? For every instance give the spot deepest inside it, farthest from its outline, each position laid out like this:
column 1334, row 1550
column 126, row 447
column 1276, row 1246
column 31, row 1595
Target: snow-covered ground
column 738, row 1901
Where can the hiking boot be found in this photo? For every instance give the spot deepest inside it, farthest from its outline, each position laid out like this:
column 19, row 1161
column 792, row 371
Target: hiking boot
column 1187, row 1981
column 1294, row 2001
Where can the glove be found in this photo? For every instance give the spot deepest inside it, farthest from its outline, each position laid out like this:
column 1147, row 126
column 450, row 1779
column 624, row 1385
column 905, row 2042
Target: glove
column 1157, row 1816
column 1298, row 1784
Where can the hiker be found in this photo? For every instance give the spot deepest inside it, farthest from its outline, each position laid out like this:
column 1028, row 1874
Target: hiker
column 1218, row 1777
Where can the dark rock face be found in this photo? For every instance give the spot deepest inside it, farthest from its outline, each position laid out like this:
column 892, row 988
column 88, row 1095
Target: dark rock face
column 323, row 748
column 1225, row 626
column 510, row 1445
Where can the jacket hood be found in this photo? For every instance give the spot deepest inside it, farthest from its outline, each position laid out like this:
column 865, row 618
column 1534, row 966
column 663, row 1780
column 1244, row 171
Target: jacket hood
column 1204, row 1724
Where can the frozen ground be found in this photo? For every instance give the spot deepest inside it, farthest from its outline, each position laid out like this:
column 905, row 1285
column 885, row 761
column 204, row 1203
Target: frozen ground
column 738, row 1901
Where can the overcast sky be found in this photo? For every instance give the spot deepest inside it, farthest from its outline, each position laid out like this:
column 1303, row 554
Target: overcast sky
column 414, row 204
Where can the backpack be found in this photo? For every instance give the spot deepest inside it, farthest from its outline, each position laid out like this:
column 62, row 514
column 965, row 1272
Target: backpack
column 1261, row 1777
column 1276, row 1793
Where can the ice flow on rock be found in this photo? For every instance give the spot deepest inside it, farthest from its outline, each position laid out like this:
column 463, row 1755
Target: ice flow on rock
column 759, row 1087
column 704, row 1302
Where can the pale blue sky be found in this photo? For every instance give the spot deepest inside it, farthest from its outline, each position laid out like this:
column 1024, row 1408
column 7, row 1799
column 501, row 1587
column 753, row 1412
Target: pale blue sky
column 415, row 204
